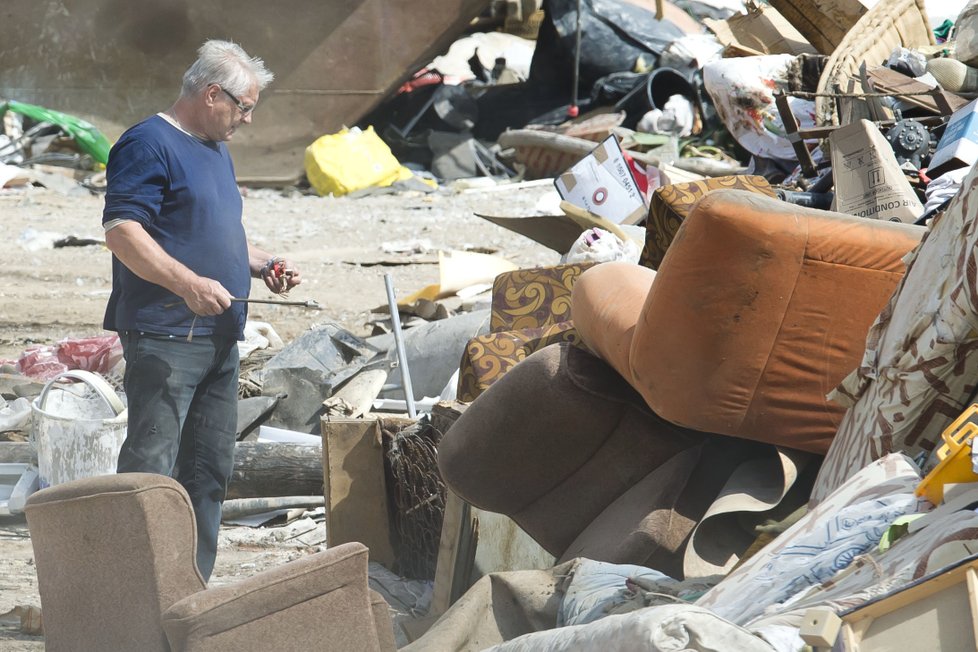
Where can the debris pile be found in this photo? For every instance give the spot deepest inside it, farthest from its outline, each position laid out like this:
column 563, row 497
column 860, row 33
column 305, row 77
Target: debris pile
column 741, row 403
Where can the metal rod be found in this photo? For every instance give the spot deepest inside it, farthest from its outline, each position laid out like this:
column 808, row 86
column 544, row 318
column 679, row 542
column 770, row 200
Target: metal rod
column 577, row 57
column 309, row 303
column 402, row 362
column 280, row 302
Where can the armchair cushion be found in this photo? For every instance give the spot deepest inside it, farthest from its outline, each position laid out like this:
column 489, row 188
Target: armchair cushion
column 319, row 602
column 487, row 357
column 530, row 310
column 536, row 297
column 554, row 442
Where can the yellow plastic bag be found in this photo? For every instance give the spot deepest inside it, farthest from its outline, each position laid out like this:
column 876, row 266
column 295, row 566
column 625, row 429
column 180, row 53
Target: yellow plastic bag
column 350, row 160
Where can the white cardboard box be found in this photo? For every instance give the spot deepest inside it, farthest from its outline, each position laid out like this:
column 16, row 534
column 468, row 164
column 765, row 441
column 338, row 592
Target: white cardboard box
column 602, row 183
column 958, row 146
column 868, row 179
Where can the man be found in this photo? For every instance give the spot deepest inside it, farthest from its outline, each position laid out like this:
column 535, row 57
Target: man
column 172, row 220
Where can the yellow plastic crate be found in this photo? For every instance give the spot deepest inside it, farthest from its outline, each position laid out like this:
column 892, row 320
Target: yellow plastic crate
column 954, row 457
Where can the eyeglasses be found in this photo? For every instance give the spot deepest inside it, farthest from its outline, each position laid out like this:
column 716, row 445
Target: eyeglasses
column 244, row 108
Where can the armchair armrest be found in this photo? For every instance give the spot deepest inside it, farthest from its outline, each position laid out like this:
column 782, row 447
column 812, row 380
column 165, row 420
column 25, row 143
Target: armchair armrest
column 319, row 602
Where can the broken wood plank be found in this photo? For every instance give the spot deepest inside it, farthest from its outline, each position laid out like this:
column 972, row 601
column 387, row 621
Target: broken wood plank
column 446, row 568
column 794, row 136
column 356, row 396
column 885, row 80
column 356, row 487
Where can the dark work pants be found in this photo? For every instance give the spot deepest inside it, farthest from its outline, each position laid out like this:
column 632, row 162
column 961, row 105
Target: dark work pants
column 182, row 400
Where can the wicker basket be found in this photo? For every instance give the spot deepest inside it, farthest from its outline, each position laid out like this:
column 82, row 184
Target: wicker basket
column 888, row 25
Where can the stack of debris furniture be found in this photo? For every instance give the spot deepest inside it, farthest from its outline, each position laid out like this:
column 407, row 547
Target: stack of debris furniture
column 710, row 375
column 116, row 570
column 916, row 375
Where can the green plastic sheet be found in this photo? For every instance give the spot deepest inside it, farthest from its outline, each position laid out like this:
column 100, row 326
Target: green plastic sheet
column 90, row 140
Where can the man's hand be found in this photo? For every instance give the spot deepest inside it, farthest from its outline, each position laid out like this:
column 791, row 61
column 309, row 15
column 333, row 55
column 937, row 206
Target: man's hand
column 280, row 275
column 206, row 297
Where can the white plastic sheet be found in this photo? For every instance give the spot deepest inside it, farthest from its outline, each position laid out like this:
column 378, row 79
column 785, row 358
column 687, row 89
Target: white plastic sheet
column 743, row 90
column 600, row 246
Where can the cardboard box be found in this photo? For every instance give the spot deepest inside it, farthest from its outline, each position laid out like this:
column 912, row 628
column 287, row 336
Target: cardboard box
column 936, row 612
column 868, row 179
column 958, row 146
column 762, row 30
column 602, row 183
column 355, row 488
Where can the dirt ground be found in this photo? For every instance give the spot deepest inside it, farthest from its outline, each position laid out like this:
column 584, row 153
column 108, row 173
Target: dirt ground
column 338, row 243
column 343, row 246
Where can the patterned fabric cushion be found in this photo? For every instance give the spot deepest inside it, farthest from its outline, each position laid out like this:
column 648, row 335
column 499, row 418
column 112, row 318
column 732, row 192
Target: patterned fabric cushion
column 669, row 206
column 488, row 357
column 533, row 298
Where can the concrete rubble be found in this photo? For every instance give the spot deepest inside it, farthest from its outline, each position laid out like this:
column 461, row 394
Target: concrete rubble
column 740, row 406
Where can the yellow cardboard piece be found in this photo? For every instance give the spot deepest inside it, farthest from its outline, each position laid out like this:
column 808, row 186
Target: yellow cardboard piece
column 458, row 270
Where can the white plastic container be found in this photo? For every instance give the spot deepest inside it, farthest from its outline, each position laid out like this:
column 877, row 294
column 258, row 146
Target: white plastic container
column 77, row 437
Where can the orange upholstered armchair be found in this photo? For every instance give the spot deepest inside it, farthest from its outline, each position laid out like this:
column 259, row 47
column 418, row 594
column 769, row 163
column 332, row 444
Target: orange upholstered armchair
column 759, row 309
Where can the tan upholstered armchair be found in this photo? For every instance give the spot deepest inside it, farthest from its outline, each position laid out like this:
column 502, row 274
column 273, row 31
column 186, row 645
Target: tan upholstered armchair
column 116, row 571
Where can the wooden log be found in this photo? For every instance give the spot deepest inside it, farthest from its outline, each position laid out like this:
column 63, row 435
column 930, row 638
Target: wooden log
column 242, row 507
column 261, row 469
column 265, row 469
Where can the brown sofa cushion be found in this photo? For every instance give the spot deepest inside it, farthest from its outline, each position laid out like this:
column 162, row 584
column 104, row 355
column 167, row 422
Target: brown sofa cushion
column 554, row 442
column 651, row 523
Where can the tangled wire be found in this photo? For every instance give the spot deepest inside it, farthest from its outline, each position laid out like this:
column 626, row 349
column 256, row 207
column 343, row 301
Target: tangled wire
column 417, row 495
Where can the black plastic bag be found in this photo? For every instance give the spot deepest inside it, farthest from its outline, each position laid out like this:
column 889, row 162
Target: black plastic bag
column 614, row 36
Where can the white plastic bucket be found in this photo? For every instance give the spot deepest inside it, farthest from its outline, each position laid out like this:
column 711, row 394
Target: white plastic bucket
column 72, row 439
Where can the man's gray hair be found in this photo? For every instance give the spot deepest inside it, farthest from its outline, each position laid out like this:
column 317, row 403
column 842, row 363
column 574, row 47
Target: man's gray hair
column 227, row 64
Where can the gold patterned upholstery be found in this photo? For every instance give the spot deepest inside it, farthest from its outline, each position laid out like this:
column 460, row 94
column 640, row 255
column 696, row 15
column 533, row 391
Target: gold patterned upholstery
column 530, row 310
column 533, row 298
column 488, row 357
column 669, row 206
